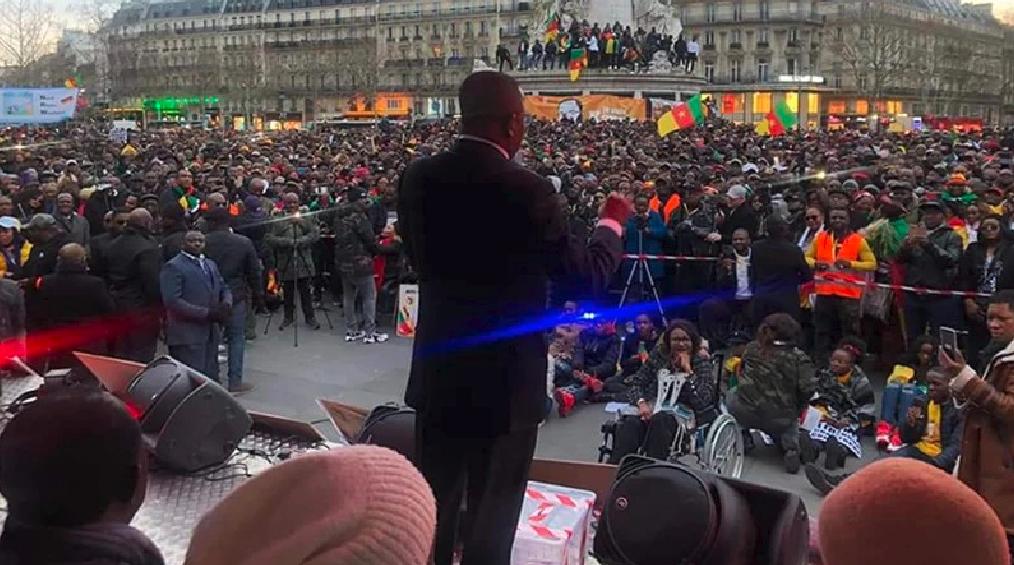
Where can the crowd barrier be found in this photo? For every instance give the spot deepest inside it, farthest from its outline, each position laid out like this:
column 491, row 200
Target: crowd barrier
column 865, row 284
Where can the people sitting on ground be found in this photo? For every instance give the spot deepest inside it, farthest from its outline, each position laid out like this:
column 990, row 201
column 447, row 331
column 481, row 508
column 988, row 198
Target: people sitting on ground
column 74, row 474
column 637, row 347
column 846, row 404
column 651, row 431
column 904, row 512
column 931, row 432
column 360, row 504
column 776, row 381
column 593, row 363
column 906, row 382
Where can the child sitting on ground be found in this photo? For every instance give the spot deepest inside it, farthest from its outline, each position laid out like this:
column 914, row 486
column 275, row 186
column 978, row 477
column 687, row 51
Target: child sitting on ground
column 905, row 383
column 594, row 361
column 846, row 403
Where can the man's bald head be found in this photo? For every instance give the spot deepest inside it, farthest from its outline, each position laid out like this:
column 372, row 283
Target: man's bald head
column 72, row 254
column 140, row 218
column 487, row 95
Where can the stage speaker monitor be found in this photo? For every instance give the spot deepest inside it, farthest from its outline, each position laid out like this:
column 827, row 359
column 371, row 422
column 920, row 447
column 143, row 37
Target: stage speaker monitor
column 189, row 422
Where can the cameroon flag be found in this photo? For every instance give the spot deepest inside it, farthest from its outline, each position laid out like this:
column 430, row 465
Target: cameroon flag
column 578, row 61
column 685, row 115
column 552, row 27
column 781, row 119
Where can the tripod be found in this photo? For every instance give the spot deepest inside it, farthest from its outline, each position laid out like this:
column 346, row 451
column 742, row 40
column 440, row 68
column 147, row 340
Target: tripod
column 295, row 260
column 642, row 271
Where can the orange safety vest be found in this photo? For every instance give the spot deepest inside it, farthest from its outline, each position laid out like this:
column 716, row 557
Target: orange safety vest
column 670, row 206
column 829, row 282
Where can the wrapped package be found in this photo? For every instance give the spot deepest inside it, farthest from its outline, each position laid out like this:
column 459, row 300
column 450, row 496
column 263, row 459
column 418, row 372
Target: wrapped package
column 553, row 526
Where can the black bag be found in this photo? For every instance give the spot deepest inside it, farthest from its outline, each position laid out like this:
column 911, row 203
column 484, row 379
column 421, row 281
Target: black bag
column 390, row 426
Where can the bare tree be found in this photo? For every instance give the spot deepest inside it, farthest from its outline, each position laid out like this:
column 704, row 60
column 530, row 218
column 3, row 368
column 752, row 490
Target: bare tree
column 874, row 50
column 26, row 34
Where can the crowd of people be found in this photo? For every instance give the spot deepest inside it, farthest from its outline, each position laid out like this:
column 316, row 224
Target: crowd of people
column 801, row 257
column 609, row 47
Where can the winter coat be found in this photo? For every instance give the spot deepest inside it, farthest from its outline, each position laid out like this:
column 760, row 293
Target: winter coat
column 987, row 447
column 935, row 263
column 699, row 392
column 776, row 379
column 853, row 401
column 355, row 244
column 597, row 354
column 951, row 425
column 654, row 236
column 77, row 228
column 279, row 240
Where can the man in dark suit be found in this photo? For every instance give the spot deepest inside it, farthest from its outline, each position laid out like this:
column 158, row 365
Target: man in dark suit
column 241, row 268
column 779, row 268
column 75, row 303
column 478, row 377
column 197, row 301
column 98, row 247
column 133, row 263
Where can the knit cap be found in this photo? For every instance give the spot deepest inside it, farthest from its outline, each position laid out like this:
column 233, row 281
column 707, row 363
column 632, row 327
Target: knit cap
column 357, row 505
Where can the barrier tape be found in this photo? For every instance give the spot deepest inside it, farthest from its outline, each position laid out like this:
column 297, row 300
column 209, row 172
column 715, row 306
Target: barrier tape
column 905, row 288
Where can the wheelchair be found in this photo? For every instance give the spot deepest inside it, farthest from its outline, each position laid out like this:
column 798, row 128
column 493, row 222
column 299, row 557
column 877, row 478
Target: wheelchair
column 717, row 447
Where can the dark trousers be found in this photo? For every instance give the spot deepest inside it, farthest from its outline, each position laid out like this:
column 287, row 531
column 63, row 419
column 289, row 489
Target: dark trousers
column 720, row 317
column 289, row 289
column 139, row 341
column 834, row 317
column 201, row 357
column 783, row 427
column 932, row 311
column 496, row 473
column 654, row 437
column 775, row 303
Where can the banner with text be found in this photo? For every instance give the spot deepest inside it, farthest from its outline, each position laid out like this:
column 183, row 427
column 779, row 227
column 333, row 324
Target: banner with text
column 593, row 106
column 37, row 105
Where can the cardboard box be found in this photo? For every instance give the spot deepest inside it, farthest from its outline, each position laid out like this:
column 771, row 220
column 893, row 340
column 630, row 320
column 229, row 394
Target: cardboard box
column 553, row 526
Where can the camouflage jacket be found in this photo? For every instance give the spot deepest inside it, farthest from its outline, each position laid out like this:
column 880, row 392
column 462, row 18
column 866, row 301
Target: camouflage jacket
column 355, row 244
column 779, row 378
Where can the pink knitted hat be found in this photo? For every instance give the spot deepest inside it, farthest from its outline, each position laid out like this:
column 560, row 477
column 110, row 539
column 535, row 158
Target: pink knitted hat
column 361, row 505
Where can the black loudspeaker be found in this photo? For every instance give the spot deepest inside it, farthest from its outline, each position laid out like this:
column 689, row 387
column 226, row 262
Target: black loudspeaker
column 659, row 513
column 189, row 422
column 390, row 426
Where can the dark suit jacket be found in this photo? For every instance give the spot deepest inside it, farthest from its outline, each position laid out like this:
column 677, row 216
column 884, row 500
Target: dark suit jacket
column 188, row 295
column 237, row 261
column 779, row 267
column 133, row 261
column 71, row 297
column 479, row 362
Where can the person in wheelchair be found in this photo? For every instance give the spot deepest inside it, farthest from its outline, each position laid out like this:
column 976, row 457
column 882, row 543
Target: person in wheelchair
column 651, row 432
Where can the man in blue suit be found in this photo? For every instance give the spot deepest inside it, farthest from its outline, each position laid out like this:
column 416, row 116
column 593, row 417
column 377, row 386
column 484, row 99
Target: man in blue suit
column 197, row 303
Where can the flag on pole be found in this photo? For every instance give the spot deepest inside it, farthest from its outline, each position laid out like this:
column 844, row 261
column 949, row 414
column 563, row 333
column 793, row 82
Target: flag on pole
column 781, row 119
column 578, row 61
column 552, row 27
column 682, row 116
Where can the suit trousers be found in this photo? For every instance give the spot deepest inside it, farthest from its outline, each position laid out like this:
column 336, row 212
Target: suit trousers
column 496, row 473
column 139, row 338
column 289, row 289
column 236, row 330
column 201, row 357
column 834, row 317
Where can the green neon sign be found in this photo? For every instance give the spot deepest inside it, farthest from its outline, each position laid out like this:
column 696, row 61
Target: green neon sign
column 178, row 103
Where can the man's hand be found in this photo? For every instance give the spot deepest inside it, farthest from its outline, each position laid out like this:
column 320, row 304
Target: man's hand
column 843, row 264
column 952, row 361
column 714, row 237
column 644, row 409
column 822, row 267
column 913, row 415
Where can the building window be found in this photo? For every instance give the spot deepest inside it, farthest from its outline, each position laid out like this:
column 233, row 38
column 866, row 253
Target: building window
column 862, row 107
column 836, row 82
column 791, row 67
column 792, row 101
column 762, row 70
column 709, row 38
column 762, row 37
column 761, row 102
column 735, row 70
column 764, row 9
column 735, row 36
column 839, row 33
column 737, row 12
column 711, row 12
column 709, row 72
column 793, row 37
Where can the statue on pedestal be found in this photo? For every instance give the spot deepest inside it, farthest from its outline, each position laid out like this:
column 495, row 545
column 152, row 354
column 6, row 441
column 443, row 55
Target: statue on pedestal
column 658, row 14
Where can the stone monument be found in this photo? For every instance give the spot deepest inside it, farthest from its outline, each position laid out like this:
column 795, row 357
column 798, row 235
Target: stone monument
column 658, row 14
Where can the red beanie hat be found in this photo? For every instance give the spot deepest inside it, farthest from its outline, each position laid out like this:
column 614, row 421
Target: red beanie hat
column 904, row 512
